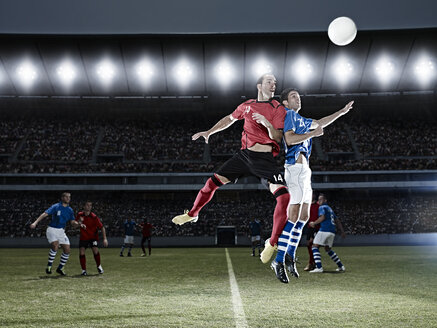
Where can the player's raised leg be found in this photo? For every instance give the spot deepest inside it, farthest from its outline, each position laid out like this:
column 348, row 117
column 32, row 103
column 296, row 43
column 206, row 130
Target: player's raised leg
column 203, row 197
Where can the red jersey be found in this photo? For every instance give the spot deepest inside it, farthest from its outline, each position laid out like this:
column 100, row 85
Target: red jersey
column 314, row 214
column 93, row 225
column 253, row 132
column 147, row 230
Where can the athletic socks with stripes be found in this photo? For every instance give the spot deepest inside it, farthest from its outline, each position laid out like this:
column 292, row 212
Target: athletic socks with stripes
column 283, row 242
column 63, row 261
column 52, row 255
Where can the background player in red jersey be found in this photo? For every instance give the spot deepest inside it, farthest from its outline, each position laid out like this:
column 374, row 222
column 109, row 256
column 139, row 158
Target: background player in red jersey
column 262, row 132
column 146, row 230
column 311, row 232
column 89, row 236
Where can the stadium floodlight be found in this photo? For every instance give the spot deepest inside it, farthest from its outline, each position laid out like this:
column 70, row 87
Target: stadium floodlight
column 106, row 71
column 27, row 73
column 183, row 72
column 260, row 67
column 384, row 69
column 342, row 70
column 302, row 70
column 424, row 70
column 66, row 72
column 224, row 72
column 145, row 70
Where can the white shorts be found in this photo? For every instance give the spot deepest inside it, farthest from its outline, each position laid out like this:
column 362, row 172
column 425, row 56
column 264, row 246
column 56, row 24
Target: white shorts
column 129, row 239
column 298, row 178
column 57, row 234
column 256, row 238
column 324, row 238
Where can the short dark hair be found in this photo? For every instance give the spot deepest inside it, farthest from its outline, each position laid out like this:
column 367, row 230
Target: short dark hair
column 285, row 93
column 324, row 196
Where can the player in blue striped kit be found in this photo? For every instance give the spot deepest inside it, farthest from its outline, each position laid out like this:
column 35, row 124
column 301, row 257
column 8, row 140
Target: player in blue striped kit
column 61, row 213
column 325, row 237
column 298, row 134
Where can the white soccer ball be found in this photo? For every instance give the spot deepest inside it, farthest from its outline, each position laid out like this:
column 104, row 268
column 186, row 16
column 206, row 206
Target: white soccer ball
column 342, row 31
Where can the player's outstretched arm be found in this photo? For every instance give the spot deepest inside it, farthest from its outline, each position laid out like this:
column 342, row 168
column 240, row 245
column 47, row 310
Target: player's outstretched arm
column 327, row 120
column 223, row 124
column 292, row 138
column 320, row 219
column 105, row 240
column 274, row 134
column 340, row 226
column 76, row 224
column 41, row 217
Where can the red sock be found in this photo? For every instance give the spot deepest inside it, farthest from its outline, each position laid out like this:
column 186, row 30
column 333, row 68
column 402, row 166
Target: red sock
column 310, row 252
column 82, row 260
column 97, row 258
column 280, row 214
column 205, row 195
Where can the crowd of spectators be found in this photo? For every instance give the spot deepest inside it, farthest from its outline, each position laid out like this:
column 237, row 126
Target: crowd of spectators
column 142, row 145
column 364, row 215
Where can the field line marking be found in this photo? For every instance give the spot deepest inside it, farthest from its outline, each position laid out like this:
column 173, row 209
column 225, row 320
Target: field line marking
column 240, row 317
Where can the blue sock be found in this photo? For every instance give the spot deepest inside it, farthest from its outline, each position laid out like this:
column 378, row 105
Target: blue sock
column 283, row 242
column 335, row 258
column 317, row 257
column 296, row 234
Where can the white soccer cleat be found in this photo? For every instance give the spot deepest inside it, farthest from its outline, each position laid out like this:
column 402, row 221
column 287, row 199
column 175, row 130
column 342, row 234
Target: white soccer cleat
column 317, row 270
column 341, row 269
column 268, row 251
column 184, row 218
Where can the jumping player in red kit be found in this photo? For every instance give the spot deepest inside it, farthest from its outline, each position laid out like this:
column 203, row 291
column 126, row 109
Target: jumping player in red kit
column 263, row 121
column 89, row 236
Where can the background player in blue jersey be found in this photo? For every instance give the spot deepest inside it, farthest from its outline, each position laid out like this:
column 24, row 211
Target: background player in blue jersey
column 129, row 227
column 255, row 235
column 61, row 213
column 298, row 143
column 325, row 237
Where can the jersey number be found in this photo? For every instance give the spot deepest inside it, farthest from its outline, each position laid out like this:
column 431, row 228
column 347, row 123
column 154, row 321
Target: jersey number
column 279, row 178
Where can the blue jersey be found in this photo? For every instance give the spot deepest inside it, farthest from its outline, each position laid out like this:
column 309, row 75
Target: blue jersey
column 255, row 228
column 299, row 125
column 60, row 215
column 328, row 224
column 129, row 228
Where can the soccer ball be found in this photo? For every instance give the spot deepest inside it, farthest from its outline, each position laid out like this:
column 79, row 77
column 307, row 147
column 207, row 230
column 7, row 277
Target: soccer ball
column 342, row 31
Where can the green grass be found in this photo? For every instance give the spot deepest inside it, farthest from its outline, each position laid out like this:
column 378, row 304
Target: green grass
column 186, row 287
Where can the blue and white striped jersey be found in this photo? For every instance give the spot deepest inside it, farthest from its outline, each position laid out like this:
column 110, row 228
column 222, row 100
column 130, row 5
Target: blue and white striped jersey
column 299, row 125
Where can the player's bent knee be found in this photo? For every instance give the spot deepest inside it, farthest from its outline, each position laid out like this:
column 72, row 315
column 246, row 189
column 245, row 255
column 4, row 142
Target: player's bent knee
column 221, row 178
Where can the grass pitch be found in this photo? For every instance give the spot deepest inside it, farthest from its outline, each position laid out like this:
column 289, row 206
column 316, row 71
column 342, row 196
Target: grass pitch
column 189, row 287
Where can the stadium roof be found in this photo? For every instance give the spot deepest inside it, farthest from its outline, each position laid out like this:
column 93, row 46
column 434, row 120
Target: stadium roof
column 200, row 16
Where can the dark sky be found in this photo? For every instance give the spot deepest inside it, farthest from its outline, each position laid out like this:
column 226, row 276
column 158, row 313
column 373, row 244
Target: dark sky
column 208, row 16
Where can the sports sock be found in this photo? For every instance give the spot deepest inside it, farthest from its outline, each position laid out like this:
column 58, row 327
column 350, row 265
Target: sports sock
column 280, row 215
column 310, row 252
column 82, row 260
column 63, row 261
column 122, row 248
column 293, row 241
column 130, row 249
column 97, row 258
column 283, row 242
column 52, row 255
column 317, row 257
column 335, row 258
column 205, row 195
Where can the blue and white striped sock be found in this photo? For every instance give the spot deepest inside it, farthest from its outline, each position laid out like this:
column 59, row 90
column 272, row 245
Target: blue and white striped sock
column 64, row 259
column 283, row 242
column 52, row 255
column 296, row 234
column 317, row 257
column 335, row 258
